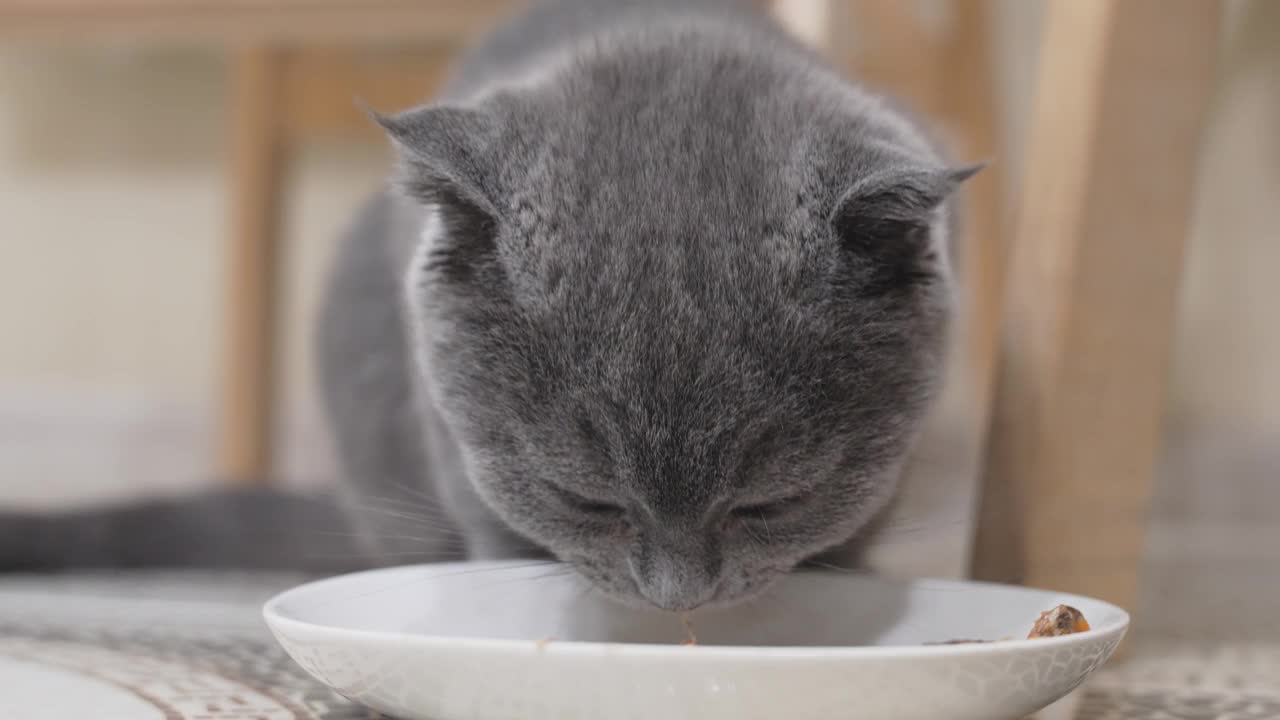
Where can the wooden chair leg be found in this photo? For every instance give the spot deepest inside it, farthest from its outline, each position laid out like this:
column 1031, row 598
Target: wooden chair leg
column 255, row 195
column 948, row 76
column 1089, row 309
column 967, row 85
column 890, row 50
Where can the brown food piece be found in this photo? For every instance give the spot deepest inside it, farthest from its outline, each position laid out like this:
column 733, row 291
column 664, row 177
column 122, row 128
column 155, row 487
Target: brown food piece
column 1062, row 620
column 690, row 638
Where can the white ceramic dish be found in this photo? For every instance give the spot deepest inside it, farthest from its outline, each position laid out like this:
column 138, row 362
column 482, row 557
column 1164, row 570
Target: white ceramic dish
column 530, row 642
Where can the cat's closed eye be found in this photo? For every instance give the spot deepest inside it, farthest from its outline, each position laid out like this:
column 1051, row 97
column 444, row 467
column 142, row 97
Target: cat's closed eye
column 591, row 507
column 770, row 509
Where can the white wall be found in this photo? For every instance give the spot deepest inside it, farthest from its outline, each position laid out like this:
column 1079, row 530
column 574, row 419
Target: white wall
column 112, row 212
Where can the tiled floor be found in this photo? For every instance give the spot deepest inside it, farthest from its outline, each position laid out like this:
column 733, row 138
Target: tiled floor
column 1188, row 682
column 1213, row 548
column 1206, row 634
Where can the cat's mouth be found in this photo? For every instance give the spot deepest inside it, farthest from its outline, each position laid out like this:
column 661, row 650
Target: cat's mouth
column 733, row 589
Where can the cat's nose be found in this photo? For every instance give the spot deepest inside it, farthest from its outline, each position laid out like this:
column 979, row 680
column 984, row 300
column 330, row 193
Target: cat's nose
column 675, row 583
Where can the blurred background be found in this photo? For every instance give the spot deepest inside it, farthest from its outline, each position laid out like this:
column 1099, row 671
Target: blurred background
column 139, row 159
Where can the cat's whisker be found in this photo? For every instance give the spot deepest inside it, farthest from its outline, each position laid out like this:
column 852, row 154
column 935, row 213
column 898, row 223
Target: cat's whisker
column 502, row 567
column 381, row 555
column 586, row 591
column 442, row 552
column 422, row 520
column 901, row 532
column 436, row 576
column 555, row 573
column 376, row 536
column 767, row 531
column 751, row 535
column 419, row 507
column 424, row 496
column 908, row 526
column 399, row 511
column 831, row 566
column 445, row 553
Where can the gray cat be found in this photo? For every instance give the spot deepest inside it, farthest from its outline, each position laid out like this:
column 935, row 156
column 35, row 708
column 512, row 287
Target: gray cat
column 658, row 293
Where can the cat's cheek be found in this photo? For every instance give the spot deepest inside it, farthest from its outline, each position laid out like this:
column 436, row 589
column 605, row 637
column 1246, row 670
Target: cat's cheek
column 608, row 573
column 745, row 585
column 573, row 541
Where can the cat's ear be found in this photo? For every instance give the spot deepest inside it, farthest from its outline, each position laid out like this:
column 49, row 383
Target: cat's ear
column 445, row 154
column 884, row 223
column 447, row 161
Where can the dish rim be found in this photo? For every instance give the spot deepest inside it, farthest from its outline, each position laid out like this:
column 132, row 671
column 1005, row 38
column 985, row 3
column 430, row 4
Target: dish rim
column 292, row 627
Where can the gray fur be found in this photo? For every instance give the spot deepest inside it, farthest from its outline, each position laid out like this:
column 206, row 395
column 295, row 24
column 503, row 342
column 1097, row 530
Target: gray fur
column 659, row 293
column 248, row 529
column 675, row 266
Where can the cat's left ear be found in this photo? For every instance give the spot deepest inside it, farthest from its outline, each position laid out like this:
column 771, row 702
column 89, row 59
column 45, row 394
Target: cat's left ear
column 448, row 161
column 446, row 154
column 884, row 222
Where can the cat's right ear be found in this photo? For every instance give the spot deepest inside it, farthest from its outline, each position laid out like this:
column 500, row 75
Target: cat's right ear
column 884, row 222
column 445, row 155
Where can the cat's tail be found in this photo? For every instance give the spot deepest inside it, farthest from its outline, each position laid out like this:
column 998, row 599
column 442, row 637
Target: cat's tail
column 241, row 529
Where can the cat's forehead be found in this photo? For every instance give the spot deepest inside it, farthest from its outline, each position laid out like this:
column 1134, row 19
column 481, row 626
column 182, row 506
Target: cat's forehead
column 645, row 174
column 680, row 138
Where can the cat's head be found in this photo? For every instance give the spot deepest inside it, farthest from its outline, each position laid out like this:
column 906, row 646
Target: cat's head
column 683, row 314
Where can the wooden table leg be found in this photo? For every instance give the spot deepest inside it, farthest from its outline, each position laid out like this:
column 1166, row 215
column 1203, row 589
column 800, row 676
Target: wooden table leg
column 1091, row 290
column 256, row 156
